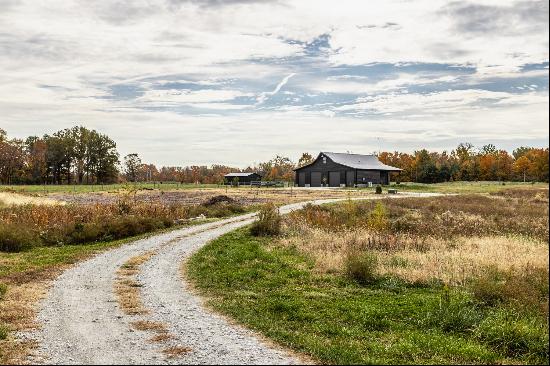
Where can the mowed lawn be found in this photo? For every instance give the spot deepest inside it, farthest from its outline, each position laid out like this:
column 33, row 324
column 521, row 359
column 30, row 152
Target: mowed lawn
column 298, row 290
column 448, row 187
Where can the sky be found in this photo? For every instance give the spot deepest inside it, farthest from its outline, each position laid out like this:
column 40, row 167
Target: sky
column 237, row 82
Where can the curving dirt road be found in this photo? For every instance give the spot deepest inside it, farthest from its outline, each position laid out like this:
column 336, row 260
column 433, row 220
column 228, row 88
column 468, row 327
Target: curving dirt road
column 82, row 323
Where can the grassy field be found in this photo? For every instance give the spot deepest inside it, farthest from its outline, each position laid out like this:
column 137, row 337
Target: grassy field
column 442, row 280
column 87, row 188
column 449, row 187
column 465, row 187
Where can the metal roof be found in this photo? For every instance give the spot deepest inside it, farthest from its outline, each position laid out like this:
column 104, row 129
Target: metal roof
column 239, row 174
column 357, row 161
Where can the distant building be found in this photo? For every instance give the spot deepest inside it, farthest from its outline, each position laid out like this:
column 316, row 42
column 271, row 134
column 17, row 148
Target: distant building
column 242, row 178
column 340, row 169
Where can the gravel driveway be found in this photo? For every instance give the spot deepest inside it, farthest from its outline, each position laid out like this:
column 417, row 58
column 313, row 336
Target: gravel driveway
column 81, row 322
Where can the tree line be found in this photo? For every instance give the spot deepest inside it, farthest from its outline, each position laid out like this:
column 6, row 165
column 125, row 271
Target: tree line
column 81, row 156
column 75, row 154
column 466, row 163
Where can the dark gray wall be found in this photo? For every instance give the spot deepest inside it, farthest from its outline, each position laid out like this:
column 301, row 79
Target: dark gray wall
column 348, row 175
column 245, row 180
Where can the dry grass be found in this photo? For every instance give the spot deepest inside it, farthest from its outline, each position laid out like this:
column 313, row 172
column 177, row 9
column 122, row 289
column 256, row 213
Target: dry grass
column 127, row 288
column 27, row 226
column 161, row 338
column 450, row 239
column 176, row 351
column 17, row 312
column 151, row 326
column 10, row 198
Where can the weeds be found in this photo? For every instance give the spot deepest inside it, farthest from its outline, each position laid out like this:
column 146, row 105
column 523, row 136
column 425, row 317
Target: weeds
column 456, row 313
column 361, row 267
column 3, row 290
column 524, row 289
column 515, row 335
column 268, row 223
column 3, row 332
column 24, row 227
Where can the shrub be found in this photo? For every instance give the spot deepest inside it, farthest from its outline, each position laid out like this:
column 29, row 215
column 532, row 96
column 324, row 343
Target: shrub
column 268, row 223
column 361, row 267
column 378, row 218
column 14, row 238
column 378, row 189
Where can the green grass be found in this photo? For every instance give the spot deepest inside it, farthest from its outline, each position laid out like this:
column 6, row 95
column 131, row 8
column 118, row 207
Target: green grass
column 464, row 187
column 449, row 187
column 335, row 320
column 86, row 188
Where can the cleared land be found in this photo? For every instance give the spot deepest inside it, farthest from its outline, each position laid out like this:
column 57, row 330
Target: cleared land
column 461, row 279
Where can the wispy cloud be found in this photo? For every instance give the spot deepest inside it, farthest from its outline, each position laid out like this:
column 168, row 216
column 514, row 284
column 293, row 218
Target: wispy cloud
column 265, row 95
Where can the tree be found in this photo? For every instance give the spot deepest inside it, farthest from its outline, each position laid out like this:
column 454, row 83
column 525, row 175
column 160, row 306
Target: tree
column 305, row 159
column 522, row 165
column 12, row 159
column 132, row 164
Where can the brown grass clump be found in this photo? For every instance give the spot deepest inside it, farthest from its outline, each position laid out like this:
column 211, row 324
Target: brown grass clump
column 160, row 338
column 127, row 288
column 17, row 310
column 147, row 325
column 176, row 351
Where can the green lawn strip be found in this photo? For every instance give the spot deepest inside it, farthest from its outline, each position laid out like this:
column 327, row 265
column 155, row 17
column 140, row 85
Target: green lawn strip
column 464, row 187
column 328, row 317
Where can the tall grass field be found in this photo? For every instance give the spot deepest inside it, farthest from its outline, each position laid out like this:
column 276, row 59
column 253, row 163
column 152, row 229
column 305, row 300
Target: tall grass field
column 454, row 279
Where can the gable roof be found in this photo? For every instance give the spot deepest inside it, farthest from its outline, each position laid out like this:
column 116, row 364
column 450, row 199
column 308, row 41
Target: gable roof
column 356, row 161
column 231, row 175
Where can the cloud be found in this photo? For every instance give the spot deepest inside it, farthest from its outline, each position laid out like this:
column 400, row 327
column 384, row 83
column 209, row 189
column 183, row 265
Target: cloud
column 164, row 69
column 265, row 95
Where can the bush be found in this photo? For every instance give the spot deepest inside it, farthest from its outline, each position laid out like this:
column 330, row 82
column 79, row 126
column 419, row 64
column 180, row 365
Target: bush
column 378, row 189
column 268, row 223
column 361, row 267
column 14, row 238
column 378, row 218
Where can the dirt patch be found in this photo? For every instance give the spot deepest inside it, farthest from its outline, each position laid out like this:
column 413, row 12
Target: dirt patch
column 243, row 196
column 218, row 199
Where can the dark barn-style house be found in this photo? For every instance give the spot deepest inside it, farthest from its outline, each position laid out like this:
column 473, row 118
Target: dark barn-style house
column 242, row 178
column 341, row 169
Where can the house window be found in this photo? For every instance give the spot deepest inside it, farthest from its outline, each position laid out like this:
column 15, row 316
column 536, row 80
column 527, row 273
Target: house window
column 324, row 159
